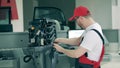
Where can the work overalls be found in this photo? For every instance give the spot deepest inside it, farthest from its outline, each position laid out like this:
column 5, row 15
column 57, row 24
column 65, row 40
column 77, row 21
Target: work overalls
column 84, row 62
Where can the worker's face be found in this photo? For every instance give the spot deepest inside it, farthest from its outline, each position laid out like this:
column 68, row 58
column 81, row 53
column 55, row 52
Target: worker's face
column 79, row 21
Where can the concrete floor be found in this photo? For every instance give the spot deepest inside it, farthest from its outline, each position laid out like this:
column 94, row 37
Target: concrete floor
column 114, row 58
column 114, row 62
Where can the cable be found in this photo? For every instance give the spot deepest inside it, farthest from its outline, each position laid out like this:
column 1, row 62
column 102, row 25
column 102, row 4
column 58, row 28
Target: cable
column 27, row 58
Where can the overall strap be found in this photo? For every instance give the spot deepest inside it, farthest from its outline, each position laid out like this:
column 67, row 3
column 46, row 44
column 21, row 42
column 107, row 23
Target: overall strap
column 102, row 53
column 99, row 35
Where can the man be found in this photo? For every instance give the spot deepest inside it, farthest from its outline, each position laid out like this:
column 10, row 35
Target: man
column 90, row 43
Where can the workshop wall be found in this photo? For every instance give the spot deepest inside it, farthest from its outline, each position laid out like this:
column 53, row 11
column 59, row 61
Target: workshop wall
column 18, row 23
column 116, row 14
column 101, row 11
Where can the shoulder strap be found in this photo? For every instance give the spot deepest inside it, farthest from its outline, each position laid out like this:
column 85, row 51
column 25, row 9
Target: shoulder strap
column 99, row 35
column 103, row 51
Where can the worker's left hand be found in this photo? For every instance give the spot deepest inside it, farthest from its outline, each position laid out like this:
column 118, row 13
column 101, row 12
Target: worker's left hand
column 58, row 47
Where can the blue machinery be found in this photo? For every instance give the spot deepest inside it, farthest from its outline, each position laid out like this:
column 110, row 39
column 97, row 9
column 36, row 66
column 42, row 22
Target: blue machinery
column 34, row 49
column 41, row 35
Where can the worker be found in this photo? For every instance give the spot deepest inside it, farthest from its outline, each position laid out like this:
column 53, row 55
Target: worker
column 90, row 49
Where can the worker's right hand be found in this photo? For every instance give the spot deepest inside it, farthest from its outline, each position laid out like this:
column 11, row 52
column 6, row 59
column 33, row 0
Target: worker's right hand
column 60, row 40
column 57, row 40
column 58, row 47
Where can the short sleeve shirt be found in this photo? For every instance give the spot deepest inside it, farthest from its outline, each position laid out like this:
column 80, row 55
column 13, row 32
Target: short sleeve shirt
column 92, row 42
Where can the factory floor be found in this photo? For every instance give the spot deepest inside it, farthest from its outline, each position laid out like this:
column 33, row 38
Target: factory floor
column 114, row 61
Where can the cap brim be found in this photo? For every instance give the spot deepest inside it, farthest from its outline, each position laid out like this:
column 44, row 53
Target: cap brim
column 72, row 18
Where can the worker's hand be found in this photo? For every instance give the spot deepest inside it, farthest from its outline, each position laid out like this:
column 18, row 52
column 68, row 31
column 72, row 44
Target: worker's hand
column 58, row 47
column 57, row 40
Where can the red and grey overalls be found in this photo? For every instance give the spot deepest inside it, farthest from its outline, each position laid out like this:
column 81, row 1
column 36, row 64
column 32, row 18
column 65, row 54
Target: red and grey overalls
column 84, row 62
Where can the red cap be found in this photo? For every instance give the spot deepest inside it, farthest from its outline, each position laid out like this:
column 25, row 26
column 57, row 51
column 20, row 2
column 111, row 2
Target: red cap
column 79, row 11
